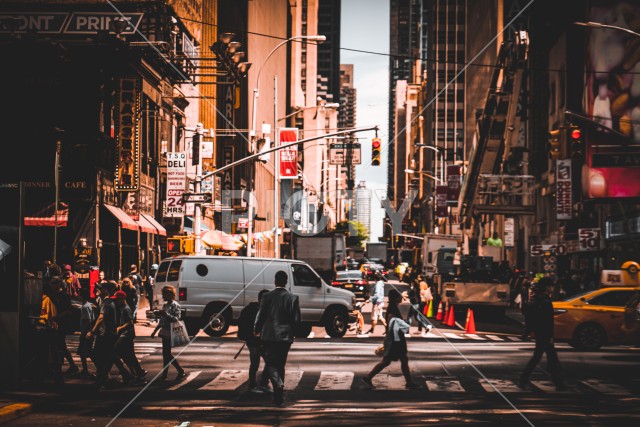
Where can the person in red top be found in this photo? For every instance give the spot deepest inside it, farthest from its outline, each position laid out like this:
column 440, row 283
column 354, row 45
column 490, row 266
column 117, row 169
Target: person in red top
column 72, row 282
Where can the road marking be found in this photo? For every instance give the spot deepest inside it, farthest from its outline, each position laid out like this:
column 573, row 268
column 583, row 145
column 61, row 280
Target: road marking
column 291, row 379
column 332, row 380
column 450, row 335
column 448, row 386
column 475, row 337
column 389, row 382
column 311, row 334
column 229, row 379
column 514, row 338
column 494, row 338
column 503, row 386
column 550, row 387
column 605, row 387
column 190, row 376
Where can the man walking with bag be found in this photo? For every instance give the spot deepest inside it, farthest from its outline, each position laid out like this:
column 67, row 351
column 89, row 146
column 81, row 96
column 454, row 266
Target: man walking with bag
column 276, row 320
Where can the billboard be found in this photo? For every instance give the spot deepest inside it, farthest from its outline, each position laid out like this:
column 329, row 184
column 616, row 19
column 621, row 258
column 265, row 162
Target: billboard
column 288, row 156
column 611, row 99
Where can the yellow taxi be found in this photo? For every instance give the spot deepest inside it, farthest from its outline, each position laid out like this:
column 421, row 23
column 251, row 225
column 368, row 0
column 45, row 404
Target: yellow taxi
column 594, row 318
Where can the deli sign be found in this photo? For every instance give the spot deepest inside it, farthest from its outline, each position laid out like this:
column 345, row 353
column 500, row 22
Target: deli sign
column 66, row 22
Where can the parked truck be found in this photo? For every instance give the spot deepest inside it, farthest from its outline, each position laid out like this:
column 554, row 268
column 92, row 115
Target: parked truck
column 377, row 251
column 431, row 250
column 325, row 253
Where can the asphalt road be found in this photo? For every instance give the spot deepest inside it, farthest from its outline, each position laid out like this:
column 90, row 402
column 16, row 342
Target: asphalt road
column 465, row 380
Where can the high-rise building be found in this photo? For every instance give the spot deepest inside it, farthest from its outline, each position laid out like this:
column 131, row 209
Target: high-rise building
column 329, row 51
column 408, row 44
column 363, row 205
column 347, row 115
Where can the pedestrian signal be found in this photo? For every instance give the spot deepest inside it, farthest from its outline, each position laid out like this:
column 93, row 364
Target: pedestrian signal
column 376, row 145
column 173, row 245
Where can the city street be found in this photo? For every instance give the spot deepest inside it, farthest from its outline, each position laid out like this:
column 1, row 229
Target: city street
column 464, row 378
column 463, row 381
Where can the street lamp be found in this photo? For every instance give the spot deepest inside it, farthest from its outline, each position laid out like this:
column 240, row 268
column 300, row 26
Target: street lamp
column 432, row 148
column 607, row 26
column 428, row 175
column 252, row 135
column 335, row 105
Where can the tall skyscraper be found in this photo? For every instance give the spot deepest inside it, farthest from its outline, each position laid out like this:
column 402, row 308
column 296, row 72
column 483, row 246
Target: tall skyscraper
column 363, row 205
column 347, row 116
column 329, row 51
column 408, row 44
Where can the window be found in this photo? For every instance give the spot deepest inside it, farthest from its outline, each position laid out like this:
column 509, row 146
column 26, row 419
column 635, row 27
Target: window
column 612, row 299
column 174, row 271
column 161, row 275
column 304, row 276
column 202, row 270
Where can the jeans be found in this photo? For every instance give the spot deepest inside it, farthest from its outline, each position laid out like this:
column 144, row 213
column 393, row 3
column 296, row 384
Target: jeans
column 105, row 356
column 167, row 357
column 275, row 357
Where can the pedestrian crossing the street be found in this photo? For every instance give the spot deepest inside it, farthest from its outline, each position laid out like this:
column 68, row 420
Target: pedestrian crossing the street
column 237, row 381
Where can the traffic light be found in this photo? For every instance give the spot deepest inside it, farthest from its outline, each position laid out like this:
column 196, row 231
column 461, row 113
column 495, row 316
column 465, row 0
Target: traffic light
column 555, row 144
column 173, row 245
column 197, row 140
column 376, row 145
column 576, row 139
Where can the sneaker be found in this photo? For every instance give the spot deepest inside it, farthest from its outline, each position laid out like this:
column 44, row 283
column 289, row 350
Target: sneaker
column 429, row 328
column 256, row 390
column 412, row 386
column 368, row 382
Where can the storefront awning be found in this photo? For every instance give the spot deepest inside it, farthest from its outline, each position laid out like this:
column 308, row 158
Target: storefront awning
column 46, row 217
column 145, row 225
column 125, row 220
column 161, row 230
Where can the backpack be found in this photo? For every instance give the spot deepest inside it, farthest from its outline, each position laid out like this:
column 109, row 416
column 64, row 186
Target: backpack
column 246, row 321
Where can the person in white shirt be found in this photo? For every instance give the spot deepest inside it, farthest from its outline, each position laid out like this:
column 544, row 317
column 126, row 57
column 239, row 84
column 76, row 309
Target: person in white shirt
column 377, row 300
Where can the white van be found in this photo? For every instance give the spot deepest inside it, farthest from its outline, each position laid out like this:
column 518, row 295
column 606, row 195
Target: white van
column 209, row 285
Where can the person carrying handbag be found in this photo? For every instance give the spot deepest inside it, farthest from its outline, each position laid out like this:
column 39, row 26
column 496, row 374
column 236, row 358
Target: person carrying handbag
column 395, row 344
column 169, row 314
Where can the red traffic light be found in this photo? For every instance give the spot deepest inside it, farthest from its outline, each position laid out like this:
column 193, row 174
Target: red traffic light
column 375, row 143
column 576, row 134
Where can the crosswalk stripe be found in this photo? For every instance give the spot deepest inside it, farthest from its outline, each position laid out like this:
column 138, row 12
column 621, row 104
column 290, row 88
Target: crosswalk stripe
column 445, row 385
column 474, row 337
column 190, row 376
column 606, row 387
column 453, row 336
column 332, row 380
column 514, row 338
column 227, row 380
column 388, row 382
column 503, row 386
column 494, row 338
column 549, row 387
column 291, row 379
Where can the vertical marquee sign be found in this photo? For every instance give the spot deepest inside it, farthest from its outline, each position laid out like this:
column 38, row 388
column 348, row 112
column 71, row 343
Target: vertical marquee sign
column 564, row 205
column 127, row 137
column 288, row 156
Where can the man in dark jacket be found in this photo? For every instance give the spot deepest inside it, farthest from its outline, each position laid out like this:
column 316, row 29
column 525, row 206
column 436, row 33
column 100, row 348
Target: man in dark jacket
column 277, row 318
column 539, row 320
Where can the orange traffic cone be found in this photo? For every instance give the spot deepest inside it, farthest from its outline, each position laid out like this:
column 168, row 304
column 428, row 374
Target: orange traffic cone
column 447, row 310
column 451, row 320
column 439, row 314
column 471, row 324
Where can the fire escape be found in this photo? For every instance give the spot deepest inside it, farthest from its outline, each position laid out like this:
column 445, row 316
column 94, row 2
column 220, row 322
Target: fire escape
column 490, row 187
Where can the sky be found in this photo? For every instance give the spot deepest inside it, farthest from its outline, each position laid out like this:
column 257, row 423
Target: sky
column 365, row 26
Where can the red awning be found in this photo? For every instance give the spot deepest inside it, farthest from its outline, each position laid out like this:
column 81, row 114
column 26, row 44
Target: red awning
column 125, row 220
column 47, row 221
column 146, row 226
column 161, row 230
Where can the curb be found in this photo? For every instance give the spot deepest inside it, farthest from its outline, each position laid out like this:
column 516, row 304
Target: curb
column 13, row 411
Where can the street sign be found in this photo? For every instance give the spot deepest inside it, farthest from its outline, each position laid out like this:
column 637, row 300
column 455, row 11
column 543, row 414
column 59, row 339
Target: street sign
column 539, row 250
column 589, row 239
column 196, row 197
column 345, row 153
